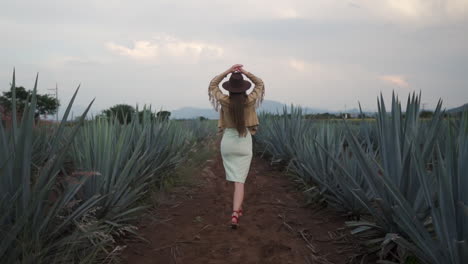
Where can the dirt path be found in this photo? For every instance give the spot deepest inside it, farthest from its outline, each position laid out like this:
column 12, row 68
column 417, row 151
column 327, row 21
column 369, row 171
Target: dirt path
column 192, row 223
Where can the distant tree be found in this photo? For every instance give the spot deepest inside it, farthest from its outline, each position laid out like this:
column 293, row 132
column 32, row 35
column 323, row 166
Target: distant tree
column 146, row 112
column 101, row 115
column 202, row 118
column 46, row 104
column 123, row 112
column 322, row 116
column 163, row 115
column 362, row 115
column 426, row 114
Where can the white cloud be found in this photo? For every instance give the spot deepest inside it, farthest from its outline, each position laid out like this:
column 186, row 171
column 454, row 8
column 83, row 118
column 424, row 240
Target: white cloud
column 457, row 8
column 398, row 80
column 287, row 13
column 304, row 66
column 411, row 8
column 297, row 65
column 193, row 49
column 336, row 48
column 323, row 71
column 164, row 46
column 421, row 12
column 141, row 50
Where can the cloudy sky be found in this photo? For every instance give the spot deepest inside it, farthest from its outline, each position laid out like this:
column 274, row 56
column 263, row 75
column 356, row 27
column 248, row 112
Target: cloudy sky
column 321, row 53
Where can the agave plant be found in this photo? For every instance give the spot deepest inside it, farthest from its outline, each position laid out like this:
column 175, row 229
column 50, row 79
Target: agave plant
column 444, row 187
column 279, row 134
column 123, row 159
column 38, row 223
column 306, row 146
column 393, row 175
column 404, row 175
column 201, row 129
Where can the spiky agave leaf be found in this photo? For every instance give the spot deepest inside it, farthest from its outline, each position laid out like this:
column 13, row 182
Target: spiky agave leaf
column 30, row 215
column 124, row 159
column 448, row 201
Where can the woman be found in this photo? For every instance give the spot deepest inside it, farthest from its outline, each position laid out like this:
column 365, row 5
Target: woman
column 238, row 121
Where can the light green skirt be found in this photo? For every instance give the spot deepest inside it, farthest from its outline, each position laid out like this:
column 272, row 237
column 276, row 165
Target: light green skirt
column 237, row 154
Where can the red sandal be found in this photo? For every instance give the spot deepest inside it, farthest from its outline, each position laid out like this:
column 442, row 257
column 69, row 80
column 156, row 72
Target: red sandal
column 235, row 219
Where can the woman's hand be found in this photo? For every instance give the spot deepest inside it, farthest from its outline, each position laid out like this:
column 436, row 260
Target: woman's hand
column 242, row 70
column 235, row 67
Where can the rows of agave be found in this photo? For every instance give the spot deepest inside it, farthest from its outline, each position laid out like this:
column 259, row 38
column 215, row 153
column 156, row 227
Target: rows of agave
column 401, row 177
column 66, row 192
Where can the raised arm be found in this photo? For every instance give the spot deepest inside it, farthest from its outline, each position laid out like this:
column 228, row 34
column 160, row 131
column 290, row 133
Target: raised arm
column 256, row 96
column 213, row 89
column 214, row 93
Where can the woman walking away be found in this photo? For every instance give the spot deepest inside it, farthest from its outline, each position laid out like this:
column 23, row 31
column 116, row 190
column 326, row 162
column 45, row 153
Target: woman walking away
column 238, row 121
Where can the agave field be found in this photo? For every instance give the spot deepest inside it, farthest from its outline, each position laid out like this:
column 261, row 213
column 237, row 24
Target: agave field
column 402, row 181
column 68, row 192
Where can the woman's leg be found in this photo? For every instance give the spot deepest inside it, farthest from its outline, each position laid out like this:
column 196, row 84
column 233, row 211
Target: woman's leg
column 238, row 196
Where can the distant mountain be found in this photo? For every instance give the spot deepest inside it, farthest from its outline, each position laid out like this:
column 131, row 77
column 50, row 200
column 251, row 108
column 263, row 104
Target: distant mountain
column 268, row 106
column 193, row 112
column 458, row 109
column 353, row 111
column 275, row 107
